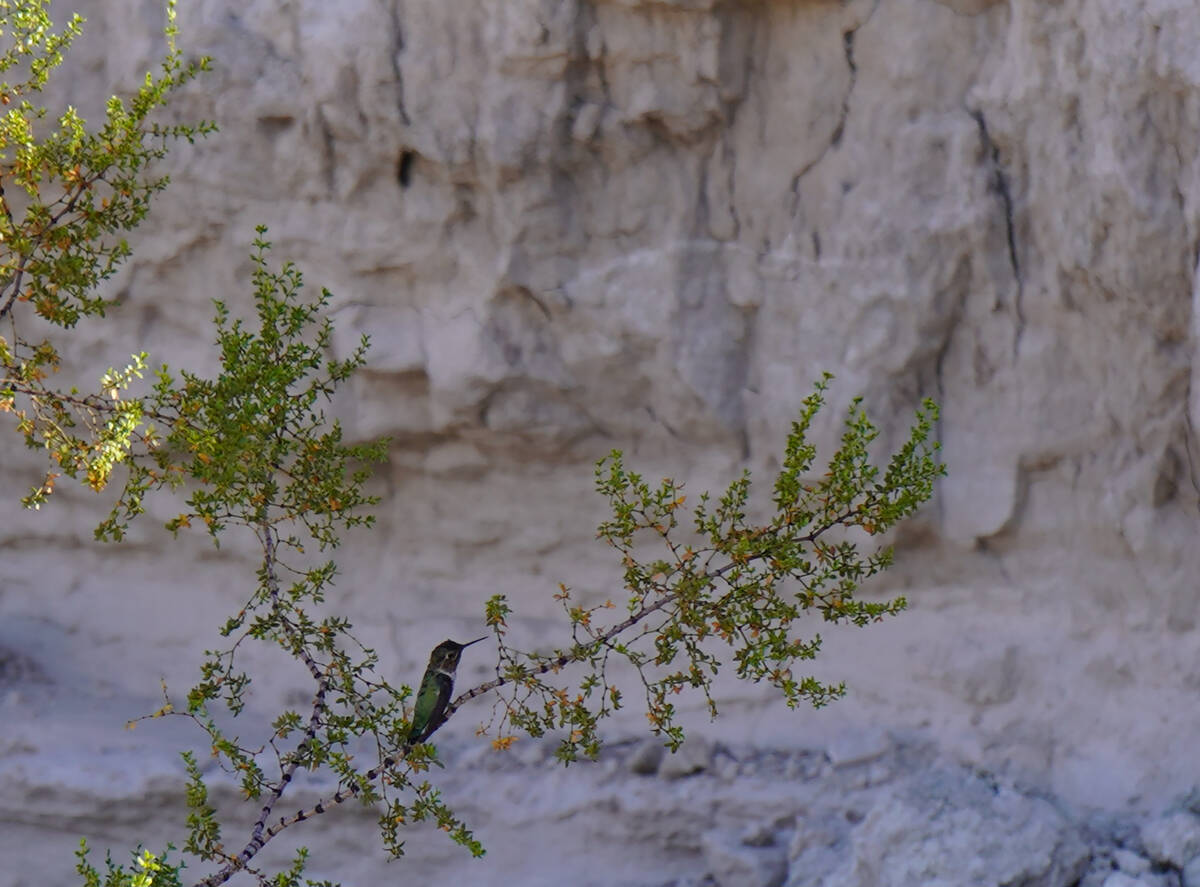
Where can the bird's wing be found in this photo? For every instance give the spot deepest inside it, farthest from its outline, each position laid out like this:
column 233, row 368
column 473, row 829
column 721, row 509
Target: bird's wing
column 433, row 697
column 445, row 686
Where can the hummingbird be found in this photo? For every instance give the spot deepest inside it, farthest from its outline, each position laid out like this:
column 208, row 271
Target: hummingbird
column 436, row 687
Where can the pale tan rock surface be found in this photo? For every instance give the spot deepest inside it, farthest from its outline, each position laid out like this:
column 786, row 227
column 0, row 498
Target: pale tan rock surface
column 572, row 226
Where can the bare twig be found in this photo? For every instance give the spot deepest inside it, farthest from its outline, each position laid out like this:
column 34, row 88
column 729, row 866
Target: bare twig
column 261, row 835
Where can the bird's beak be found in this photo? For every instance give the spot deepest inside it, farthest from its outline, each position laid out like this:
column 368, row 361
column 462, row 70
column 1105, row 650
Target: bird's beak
column 476, row 641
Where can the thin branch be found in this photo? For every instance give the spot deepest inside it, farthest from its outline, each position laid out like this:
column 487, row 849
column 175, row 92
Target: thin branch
column 350, row 791
column 94, row 402
column 258, row 835
column 261, row 836
column 602, row 639
column 39, row 239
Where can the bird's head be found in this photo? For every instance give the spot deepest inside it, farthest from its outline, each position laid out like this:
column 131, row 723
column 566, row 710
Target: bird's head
column 447, row 653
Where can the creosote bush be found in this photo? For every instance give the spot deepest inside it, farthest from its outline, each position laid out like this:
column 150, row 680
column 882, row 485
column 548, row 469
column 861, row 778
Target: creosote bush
column 249, row 450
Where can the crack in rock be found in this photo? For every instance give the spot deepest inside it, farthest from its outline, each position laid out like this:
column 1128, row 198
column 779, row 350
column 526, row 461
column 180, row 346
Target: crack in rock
column 1000, row 185
column 397, row 48
column 838, row 131
column 848, row 45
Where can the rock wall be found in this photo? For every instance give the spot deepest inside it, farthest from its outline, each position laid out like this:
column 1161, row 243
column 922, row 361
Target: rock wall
column 570, row 226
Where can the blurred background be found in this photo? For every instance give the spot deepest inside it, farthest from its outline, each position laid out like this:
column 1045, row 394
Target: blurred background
column 574, row 225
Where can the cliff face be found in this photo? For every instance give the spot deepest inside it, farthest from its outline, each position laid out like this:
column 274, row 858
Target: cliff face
column 572, row 226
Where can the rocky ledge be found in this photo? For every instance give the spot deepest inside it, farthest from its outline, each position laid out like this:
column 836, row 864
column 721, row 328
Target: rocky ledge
column 871, row 809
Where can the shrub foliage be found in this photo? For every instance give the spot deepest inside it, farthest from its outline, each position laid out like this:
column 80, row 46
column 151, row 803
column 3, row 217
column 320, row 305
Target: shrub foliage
column 249, row 450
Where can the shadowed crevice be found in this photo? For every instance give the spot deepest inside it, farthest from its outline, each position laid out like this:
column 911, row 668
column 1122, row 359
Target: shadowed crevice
column 999, row 184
